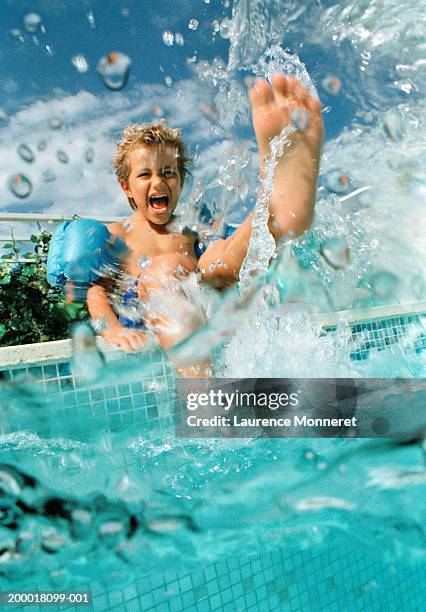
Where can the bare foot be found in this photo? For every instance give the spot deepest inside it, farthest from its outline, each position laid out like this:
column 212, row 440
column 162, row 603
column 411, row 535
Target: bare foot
column 293, row 196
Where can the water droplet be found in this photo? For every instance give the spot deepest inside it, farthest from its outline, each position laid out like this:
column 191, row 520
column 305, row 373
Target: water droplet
column 49, row 49
column 55, row 123
column 168, row 38
column 4, row 116
column 225, row 28
column 300, row 118
column 125, row 12
column 91, row 19
column 168, row 81
column 89, row 155
column 143, row 262
column 87, row 360
column 81, row 524
column 209, row 111
column 393, row 125
column 384, row 283
column 20, row 185
column 114, row 70
column 80, row 63
column 179, row 39
column 16, row 34
column 212, row 267
column 111, row 532
column 156, row 110
column 41, row 145
column 336, row 252
column 60, row 579
column 193, row 24
column 62, row 156
column 332, row 85
column 338, row 181
column 32, row 22
column 98, row 325
column 215, row 25
column 48, row 176
column 25, row 153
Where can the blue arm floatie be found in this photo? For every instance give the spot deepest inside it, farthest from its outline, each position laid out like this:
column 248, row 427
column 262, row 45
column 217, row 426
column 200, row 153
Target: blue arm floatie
column 82, row 251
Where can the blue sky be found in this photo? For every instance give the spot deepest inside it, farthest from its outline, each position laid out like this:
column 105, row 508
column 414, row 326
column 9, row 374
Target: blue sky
column 39, row 81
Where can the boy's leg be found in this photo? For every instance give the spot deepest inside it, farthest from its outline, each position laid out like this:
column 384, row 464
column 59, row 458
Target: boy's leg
column 294, row 189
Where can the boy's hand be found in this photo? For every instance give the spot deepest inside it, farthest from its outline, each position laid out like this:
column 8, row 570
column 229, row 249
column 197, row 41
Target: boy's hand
column 272, row 106
column 129, row 340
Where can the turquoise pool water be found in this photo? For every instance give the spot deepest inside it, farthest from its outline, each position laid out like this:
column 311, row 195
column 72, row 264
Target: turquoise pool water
column 97, row 494
column 120, row 507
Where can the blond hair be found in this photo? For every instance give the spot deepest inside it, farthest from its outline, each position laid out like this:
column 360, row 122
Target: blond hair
column 139, row 134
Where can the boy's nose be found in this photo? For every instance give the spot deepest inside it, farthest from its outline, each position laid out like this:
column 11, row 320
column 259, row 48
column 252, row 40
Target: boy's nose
column 157, row 179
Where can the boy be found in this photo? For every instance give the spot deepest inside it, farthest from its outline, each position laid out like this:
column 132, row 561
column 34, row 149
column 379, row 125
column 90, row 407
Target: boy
column 151, row 165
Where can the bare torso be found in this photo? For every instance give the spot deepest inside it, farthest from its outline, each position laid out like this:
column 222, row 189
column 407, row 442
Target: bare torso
column 157, row 249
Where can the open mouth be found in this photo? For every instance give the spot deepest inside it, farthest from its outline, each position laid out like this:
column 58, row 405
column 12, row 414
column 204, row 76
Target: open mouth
column 159, row 203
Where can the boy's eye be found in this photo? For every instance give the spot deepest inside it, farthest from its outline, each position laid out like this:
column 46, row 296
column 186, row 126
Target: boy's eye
column 167, row 172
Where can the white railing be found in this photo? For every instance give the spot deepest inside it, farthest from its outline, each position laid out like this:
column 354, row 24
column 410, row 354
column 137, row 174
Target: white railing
column 49, row 219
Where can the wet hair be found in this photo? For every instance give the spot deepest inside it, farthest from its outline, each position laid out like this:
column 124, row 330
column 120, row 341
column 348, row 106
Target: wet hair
column 138, row 134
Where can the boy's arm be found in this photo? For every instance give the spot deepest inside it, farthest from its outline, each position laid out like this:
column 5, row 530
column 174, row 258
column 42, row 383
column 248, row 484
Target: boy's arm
column 114, row 333
column 292, row 201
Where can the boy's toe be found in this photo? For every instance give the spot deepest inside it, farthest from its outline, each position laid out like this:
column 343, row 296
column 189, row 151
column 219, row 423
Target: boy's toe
column 260, row 94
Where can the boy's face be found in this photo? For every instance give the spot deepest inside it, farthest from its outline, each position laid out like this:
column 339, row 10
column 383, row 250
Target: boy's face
column 154, row 182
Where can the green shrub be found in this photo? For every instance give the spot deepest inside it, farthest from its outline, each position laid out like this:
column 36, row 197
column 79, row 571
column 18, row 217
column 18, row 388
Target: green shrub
column 30, row 310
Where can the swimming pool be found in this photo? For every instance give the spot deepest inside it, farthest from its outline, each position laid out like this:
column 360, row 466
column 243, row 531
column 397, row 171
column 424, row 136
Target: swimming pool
column 117, row 434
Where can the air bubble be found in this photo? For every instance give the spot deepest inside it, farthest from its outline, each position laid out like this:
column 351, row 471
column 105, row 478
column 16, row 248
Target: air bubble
column 32, row 22
column 300, row 118
column 168, row 81
column 62, row 156
column 114, row 69
column 332, row 85
column 80, row 63
column 193, row 24
column 212, row 267
column 215, row 25
column 338, row 181
column 20, row 185
column 55, row 123
column 179, row 39
column 25, row 153
column 168, row 38
column 336, row 252
column 89, row 155
column 41, row 145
